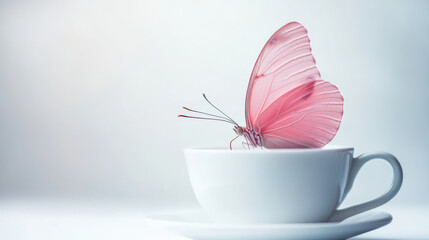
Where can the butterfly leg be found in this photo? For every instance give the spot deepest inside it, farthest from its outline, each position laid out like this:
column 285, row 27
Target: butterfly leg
column 246, row 144
column 230, row 143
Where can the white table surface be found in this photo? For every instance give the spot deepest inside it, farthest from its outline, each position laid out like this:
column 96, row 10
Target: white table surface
column 60, row 219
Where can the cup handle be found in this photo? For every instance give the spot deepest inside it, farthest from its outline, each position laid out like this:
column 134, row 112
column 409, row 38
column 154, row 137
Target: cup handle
column 356, row 165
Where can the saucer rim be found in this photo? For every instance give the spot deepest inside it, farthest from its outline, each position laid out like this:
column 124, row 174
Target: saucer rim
column 155, row 218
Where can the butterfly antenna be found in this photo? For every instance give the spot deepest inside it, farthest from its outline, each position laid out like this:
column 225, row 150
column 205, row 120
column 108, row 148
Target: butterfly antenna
column 208, row 114
column 219, row 110
column 203, row 118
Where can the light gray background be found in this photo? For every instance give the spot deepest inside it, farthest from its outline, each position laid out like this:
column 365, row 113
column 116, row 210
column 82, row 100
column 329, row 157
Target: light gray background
column 90, row 90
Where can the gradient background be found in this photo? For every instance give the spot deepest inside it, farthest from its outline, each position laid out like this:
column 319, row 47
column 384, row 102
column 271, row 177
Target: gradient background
column 90, row 90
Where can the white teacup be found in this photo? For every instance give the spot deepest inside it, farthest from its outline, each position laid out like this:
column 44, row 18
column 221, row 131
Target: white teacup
column 281, row 186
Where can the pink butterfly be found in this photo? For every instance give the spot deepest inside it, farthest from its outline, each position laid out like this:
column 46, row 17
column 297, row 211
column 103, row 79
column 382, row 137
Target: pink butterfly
column 287, row 104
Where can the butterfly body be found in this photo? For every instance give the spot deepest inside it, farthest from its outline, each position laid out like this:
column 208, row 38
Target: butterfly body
column 253, row 138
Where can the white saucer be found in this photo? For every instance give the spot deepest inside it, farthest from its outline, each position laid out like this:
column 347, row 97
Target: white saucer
column 194, row 224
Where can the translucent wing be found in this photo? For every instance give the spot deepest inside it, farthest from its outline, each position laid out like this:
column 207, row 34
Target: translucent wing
column 307, row 116
column 284, row 63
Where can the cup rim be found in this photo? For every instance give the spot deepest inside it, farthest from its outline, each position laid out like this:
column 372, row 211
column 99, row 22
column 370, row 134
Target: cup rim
column 327, row 148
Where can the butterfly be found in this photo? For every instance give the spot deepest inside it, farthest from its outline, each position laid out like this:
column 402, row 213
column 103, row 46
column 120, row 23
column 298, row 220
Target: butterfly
column 288, row 105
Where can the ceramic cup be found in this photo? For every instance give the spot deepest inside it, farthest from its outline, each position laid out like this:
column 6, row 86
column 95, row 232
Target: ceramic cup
column 281, row 186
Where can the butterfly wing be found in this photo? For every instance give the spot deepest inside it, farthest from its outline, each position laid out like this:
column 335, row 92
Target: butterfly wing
column 307, row 116
column 284, row 63
column 286, row 102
